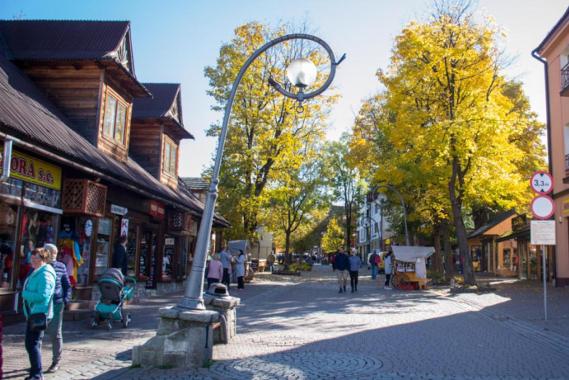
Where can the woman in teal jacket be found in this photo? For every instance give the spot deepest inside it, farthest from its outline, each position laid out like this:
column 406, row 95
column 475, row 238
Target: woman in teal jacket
column 37, row 294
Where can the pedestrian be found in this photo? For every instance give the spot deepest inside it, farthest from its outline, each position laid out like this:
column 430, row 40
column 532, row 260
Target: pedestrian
column 240, row 269
column 61, row 297
column 38, row 309
column 225, row 258
column 214, row 271
column 271, row 262
column 120, row 258
column 388, row 267
column 373, row 263
column 355, row 265
column 341, row 265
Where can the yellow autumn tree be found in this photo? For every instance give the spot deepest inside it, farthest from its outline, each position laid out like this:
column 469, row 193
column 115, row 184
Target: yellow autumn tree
column 452, row 129
column 267, row 131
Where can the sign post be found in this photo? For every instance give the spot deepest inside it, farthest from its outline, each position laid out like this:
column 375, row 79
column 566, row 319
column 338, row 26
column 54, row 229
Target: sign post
column 543, row 230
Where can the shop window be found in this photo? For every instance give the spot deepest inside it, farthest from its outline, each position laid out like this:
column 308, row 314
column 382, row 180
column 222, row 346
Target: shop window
column 37, row 228
column 507, row 258
column 131, row 250
column 103, row 245
column 8, row 215
column 85, row 241
column 114, row 118
column 147, row 259
column 169, row 257
column 169, row 158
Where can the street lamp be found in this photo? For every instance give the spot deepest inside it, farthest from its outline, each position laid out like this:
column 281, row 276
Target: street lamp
column 301, row 73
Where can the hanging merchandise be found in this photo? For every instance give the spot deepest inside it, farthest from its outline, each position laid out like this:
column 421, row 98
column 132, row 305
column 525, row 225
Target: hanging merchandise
column 70, row 252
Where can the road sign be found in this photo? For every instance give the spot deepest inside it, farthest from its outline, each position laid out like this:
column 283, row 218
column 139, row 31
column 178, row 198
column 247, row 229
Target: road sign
column 541, row 182
column 542, row 207
column 542, row 232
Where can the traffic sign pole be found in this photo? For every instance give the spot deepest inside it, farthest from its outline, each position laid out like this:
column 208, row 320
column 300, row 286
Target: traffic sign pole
column 543, row 207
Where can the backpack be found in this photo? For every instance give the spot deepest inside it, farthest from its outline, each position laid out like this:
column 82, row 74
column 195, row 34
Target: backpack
column 373, row 259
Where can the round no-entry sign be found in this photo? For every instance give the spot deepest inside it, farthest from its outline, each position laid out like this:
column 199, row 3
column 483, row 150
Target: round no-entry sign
column 542, row 207
column 541, row 182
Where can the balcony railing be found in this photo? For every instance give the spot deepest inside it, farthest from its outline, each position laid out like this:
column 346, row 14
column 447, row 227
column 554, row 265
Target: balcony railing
column 565, row 80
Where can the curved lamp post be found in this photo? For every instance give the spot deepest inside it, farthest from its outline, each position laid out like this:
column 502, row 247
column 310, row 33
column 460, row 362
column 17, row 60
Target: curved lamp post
column 301, row 73
column 392, row 188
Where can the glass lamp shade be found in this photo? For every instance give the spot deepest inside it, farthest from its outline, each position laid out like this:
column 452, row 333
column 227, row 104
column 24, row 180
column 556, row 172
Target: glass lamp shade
column 301, row 72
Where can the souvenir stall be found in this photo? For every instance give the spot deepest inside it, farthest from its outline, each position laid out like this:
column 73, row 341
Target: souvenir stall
column 409, row 268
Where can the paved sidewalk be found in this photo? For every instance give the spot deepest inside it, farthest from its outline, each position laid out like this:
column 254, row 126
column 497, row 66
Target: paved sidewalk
column 301, row 328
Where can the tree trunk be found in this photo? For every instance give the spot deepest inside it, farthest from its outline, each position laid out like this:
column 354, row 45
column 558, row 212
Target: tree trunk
column 459, row 226
column 288, row 255
column 437, row 258
column 449, row 257
column 348, row 225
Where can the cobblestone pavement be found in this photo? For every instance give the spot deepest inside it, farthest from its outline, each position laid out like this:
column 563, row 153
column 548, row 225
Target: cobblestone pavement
column 301, row 328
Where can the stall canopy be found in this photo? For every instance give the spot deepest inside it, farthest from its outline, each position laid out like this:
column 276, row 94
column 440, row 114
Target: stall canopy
column 410, row 254
column 415, row 255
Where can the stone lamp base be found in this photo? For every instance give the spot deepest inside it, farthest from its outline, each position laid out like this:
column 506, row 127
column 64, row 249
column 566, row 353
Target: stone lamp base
column 184, row 340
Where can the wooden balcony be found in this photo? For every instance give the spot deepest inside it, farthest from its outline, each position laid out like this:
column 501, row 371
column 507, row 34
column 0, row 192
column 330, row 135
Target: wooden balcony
column 565, row 81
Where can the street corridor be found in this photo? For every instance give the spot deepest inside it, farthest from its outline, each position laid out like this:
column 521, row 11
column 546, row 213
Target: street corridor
column 301, row 328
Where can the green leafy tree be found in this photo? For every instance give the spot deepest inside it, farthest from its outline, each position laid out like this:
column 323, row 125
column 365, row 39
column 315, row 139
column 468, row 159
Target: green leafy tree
column 266, row 130
column 450, row 131
column 333, row 238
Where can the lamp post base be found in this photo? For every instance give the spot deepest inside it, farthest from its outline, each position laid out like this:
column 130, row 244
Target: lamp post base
column 191, row 303
column 184, row 340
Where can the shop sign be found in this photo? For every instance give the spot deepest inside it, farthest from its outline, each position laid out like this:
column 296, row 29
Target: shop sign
column 33, row 170
column 118, row 210
column 519, row 223
column 169, row 241
column 156, row 209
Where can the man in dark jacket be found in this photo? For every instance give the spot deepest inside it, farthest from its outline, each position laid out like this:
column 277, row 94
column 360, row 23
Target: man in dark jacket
column 61, row 297
column 341, row 266
column 120, row 258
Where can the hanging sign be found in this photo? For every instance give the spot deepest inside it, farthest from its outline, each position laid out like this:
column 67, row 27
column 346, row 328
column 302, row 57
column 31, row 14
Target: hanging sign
column 542, row 232
column 118, row 210
column 124, row 227
column 541, row 182
column 156, row 209
column 542, row 207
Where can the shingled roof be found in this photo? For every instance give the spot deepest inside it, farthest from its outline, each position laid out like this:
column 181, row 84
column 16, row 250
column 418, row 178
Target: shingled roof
column 491, row 223
column 164, row 97
column 71, row 40
column 27, row 114
column 555, row 29
column 195, row 183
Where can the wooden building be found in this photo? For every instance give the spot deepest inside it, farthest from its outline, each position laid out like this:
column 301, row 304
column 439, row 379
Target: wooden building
column 84, row 169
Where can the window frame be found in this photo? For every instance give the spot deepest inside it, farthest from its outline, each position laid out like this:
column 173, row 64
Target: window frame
column 169, row 164
column 110, row 134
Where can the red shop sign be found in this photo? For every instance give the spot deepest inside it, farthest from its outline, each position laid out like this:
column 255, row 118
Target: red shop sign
column 157, row 210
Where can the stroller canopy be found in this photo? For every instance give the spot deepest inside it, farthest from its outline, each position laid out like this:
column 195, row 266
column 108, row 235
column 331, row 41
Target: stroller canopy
column 113, row 275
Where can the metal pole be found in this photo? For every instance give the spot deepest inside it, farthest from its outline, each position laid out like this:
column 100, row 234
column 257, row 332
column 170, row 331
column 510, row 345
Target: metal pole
column 544, row 263
column 193, row 298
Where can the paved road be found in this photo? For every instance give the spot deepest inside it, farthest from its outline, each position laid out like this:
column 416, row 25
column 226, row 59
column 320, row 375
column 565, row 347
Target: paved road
column 303, row 329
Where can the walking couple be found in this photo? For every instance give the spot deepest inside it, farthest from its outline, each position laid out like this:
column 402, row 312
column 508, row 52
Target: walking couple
column 344, row 265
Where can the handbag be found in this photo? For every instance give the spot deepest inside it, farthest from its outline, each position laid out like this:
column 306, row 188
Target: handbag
column 38, row 322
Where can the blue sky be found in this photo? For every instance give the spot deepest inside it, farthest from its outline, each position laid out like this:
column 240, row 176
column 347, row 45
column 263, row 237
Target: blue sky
column 174, row 40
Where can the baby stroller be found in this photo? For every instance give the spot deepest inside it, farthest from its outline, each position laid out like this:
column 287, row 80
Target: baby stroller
column 115, row 290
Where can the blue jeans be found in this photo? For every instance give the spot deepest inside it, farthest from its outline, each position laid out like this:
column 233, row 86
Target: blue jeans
column 33, row 347
column 373, row 272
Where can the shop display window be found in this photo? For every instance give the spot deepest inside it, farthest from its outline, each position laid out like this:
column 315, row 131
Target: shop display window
column 8, row 217
column 169, row 257
column 85, row 242
column 131, row 250
column 103, row 245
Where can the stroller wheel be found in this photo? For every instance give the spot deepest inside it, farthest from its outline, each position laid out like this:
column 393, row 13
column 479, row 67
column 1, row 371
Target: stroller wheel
column 109, row 325
column 94, row 323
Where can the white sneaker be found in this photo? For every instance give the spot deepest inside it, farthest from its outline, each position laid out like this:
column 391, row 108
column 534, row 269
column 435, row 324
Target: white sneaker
column 387, row 288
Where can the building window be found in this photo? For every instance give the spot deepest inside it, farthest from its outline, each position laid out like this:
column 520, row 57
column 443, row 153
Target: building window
column 169, row 158
column 566, row 143
column 114, row 120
